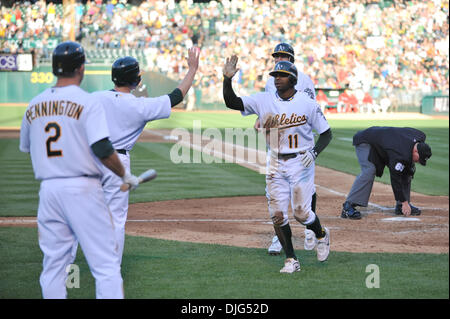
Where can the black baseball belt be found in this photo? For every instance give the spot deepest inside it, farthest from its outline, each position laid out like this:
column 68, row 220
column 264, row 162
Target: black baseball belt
column 287, row 156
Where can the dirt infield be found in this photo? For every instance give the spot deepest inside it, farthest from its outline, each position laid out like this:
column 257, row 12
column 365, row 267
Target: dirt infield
column 244, row 221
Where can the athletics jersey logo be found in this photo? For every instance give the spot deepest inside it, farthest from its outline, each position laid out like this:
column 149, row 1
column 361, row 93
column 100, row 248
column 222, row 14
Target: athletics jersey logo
column 283, row 121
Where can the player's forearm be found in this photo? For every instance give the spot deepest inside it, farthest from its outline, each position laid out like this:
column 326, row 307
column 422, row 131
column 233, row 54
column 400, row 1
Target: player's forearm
column 186, row 83
column 232, row 101
column 114, row 164
column 323, row 141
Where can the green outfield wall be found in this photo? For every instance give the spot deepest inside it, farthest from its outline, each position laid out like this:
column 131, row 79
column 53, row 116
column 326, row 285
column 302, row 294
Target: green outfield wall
column 21, row 87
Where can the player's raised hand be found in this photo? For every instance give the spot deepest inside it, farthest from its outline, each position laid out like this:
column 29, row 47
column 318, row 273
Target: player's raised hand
column 229, row 69
column 193, row 57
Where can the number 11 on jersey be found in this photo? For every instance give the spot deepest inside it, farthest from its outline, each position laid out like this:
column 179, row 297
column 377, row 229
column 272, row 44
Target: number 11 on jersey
column 293, row 141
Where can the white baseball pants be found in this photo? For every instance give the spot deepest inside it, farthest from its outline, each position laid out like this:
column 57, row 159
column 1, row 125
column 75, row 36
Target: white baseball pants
column 70, row 210
column 117, row 202
column 288, row 182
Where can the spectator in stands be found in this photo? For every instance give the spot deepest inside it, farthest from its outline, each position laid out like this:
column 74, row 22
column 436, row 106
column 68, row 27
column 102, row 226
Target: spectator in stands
column 343, row 102
column 338, row 43
column 322, row 99
column 367, row 103
column 353, row 103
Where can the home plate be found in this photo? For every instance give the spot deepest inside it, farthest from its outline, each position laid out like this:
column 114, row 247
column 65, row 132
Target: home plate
column 401, row 219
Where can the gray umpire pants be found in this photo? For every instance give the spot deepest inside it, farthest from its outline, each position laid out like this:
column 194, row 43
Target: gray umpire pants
column 362, row 186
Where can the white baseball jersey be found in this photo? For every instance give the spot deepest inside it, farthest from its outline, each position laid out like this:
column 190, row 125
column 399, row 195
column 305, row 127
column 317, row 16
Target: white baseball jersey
column 58, row 128
column 295, row 119
column 304, row 84
column 127, row 115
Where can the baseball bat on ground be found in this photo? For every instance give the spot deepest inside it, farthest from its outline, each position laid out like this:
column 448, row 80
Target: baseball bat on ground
column 144, row 177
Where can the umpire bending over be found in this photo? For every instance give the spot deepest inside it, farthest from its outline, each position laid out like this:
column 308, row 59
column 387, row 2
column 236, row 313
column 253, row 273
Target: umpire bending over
column 398, row 148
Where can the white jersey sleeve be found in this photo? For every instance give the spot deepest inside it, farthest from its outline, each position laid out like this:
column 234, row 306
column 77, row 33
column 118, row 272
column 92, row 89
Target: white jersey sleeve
column 317, row 120
column 24, row 145
column 127, row 115
column 95, row 124
column 255, row 103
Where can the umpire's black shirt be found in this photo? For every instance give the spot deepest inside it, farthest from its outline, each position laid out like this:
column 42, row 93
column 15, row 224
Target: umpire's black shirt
column 392, row 147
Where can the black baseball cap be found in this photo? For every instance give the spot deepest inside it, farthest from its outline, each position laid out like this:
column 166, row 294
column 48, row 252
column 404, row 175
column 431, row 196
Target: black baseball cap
column 424, row 152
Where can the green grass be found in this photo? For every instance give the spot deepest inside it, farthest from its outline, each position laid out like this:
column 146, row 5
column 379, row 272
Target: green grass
column 174, row 181
column 11, row 116
column 168, row 269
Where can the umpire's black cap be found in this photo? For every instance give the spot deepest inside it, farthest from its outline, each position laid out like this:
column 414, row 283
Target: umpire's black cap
column 125, row 72
column 67, row 57
column 424, row 152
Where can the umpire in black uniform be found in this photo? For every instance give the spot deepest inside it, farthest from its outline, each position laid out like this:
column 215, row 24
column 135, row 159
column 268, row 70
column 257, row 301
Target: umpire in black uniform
column 398, row 148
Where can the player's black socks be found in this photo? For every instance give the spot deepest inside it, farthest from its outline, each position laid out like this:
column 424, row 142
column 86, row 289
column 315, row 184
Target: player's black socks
column 286, row 233
column 313, row 202
column 316, row 227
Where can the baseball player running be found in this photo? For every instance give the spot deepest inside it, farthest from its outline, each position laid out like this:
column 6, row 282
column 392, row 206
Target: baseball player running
column 127, row 116
column 65, row 131
column 292, row 115
column 285, row 52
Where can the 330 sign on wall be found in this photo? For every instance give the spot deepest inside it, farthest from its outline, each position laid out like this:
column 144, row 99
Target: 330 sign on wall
column 41, row 77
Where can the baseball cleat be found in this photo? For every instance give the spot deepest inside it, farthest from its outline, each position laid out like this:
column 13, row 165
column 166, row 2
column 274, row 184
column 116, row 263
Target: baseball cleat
column 310, row 240
column 414, row 210
column 323, row 246
column 275, row 247
column 290, row 265
column 349, row 211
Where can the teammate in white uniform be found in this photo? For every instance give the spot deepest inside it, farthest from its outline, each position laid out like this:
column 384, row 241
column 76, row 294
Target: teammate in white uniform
column 127, row 116
column 65, row 131
column 285, row 52
column 292, row 116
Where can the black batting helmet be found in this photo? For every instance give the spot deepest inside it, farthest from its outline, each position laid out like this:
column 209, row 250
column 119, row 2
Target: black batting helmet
column 67, row 57
column 286, row 67
column 125, row 72
column 284, row 48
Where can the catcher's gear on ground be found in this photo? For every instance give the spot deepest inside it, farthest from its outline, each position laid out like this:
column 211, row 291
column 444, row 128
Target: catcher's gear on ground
column 284, row 48
column 286, row 67
column 67, row 57
column 125, row 72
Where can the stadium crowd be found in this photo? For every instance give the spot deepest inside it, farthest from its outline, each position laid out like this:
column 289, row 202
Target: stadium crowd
column 372, row 46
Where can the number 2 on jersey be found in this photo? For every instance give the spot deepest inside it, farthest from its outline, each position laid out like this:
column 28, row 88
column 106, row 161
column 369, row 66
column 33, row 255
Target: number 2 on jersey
column 293, row 141
column 53, row 138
